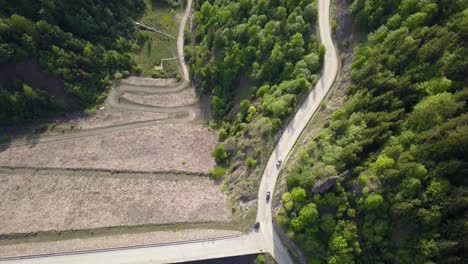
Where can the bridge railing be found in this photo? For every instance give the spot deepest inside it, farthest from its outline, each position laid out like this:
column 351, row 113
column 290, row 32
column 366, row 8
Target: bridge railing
column 88, row 251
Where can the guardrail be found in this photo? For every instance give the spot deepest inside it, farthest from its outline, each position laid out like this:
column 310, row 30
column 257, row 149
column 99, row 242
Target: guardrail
column 99, row 250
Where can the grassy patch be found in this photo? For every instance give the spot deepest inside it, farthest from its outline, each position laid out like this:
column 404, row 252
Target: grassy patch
column 165, row 18
column 155, row 49
column 242, row 221
column 162, row 16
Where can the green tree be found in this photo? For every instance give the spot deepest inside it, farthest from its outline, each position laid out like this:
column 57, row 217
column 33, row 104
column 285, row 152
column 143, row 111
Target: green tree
column 219, row 153
column 308, row 214
column 250, row 162
column 373, row 202
column 298, row 195
column 217, row 173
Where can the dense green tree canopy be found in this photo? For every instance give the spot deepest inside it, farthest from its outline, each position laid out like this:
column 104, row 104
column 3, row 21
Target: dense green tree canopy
column 81, row 42
column 402, row 134
column 256, row 59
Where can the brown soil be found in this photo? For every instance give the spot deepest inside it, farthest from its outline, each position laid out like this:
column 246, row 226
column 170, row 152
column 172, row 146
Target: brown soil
column 171, row 147
column 35, row 201
column 80, row 121
column 185, row 97
column 134, row 80
column 112, row 117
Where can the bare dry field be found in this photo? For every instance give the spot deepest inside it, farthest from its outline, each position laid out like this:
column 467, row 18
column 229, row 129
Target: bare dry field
column 171, row 147
column 35, row 201
column 185, row 97
column 111, row 241
column 136, row 80
column 112, row 117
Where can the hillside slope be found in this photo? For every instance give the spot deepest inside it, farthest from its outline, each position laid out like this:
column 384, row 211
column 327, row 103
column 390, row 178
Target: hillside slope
column 79, row 46
column 399, row 143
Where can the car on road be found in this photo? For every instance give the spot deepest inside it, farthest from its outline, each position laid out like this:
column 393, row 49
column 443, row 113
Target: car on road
column 268, row 196
column 257, row 226
column 278, row 163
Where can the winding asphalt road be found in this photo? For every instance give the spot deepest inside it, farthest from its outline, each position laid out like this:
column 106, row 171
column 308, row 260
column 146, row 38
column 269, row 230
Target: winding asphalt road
column 292, row 133
column 266, row 239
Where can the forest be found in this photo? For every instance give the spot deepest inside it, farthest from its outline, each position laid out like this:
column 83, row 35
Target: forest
column 256, row 59
column 399, row 143
column 84, row 43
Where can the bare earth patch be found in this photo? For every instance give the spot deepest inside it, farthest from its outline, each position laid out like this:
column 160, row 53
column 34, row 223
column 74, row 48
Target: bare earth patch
column 34, row 201
column 111, row 241
column 185, row 97
column 135, row 80
column 112, row 117
column 170, row 147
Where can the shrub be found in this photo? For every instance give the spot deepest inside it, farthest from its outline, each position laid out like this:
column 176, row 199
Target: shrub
column 213, row 124
column 118, row 76
column 217, row 173
column 250, row 162
column 222, row 134
column 219, row 153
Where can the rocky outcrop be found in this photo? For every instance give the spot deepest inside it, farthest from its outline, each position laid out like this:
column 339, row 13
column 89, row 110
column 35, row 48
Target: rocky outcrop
column 324, row 185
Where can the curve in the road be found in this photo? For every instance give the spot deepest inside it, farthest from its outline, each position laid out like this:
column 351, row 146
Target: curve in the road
column 292, row 133
column 179, row 114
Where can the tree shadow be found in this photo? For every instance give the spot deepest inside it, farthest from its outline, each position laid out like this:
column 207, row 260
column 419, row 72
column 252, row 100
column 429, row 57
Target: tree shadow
column 5, row 143
column 31, row 131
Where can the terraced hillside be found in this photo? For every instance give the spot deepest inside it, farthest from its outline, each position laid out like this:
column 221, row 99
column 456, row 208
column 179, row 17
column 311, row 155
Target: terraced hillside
column 133, row 164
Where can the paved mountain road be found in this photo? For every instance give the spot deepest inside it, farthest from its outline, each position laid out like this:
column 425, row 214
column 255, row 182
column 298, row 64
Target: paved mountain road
column 293, row 131
column 265, row 240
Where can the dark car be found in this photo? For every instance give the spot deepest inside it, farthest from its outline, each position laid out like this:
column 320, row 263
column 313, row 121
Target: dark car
column 278, row 163
column 257, row 226
column 268, row 196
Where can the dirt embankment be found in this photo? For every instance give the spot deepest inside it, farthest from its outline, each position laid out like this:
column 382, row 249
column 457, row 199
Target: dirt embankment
column 170, row 147
column 34, row 201
column 112, row 117
column 185, row 97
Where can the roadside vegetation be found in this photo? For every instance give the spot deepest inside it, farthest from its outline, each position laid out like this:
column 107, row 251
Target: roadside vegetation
column 264, row 259
column 399, row 143
column 256, row 60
